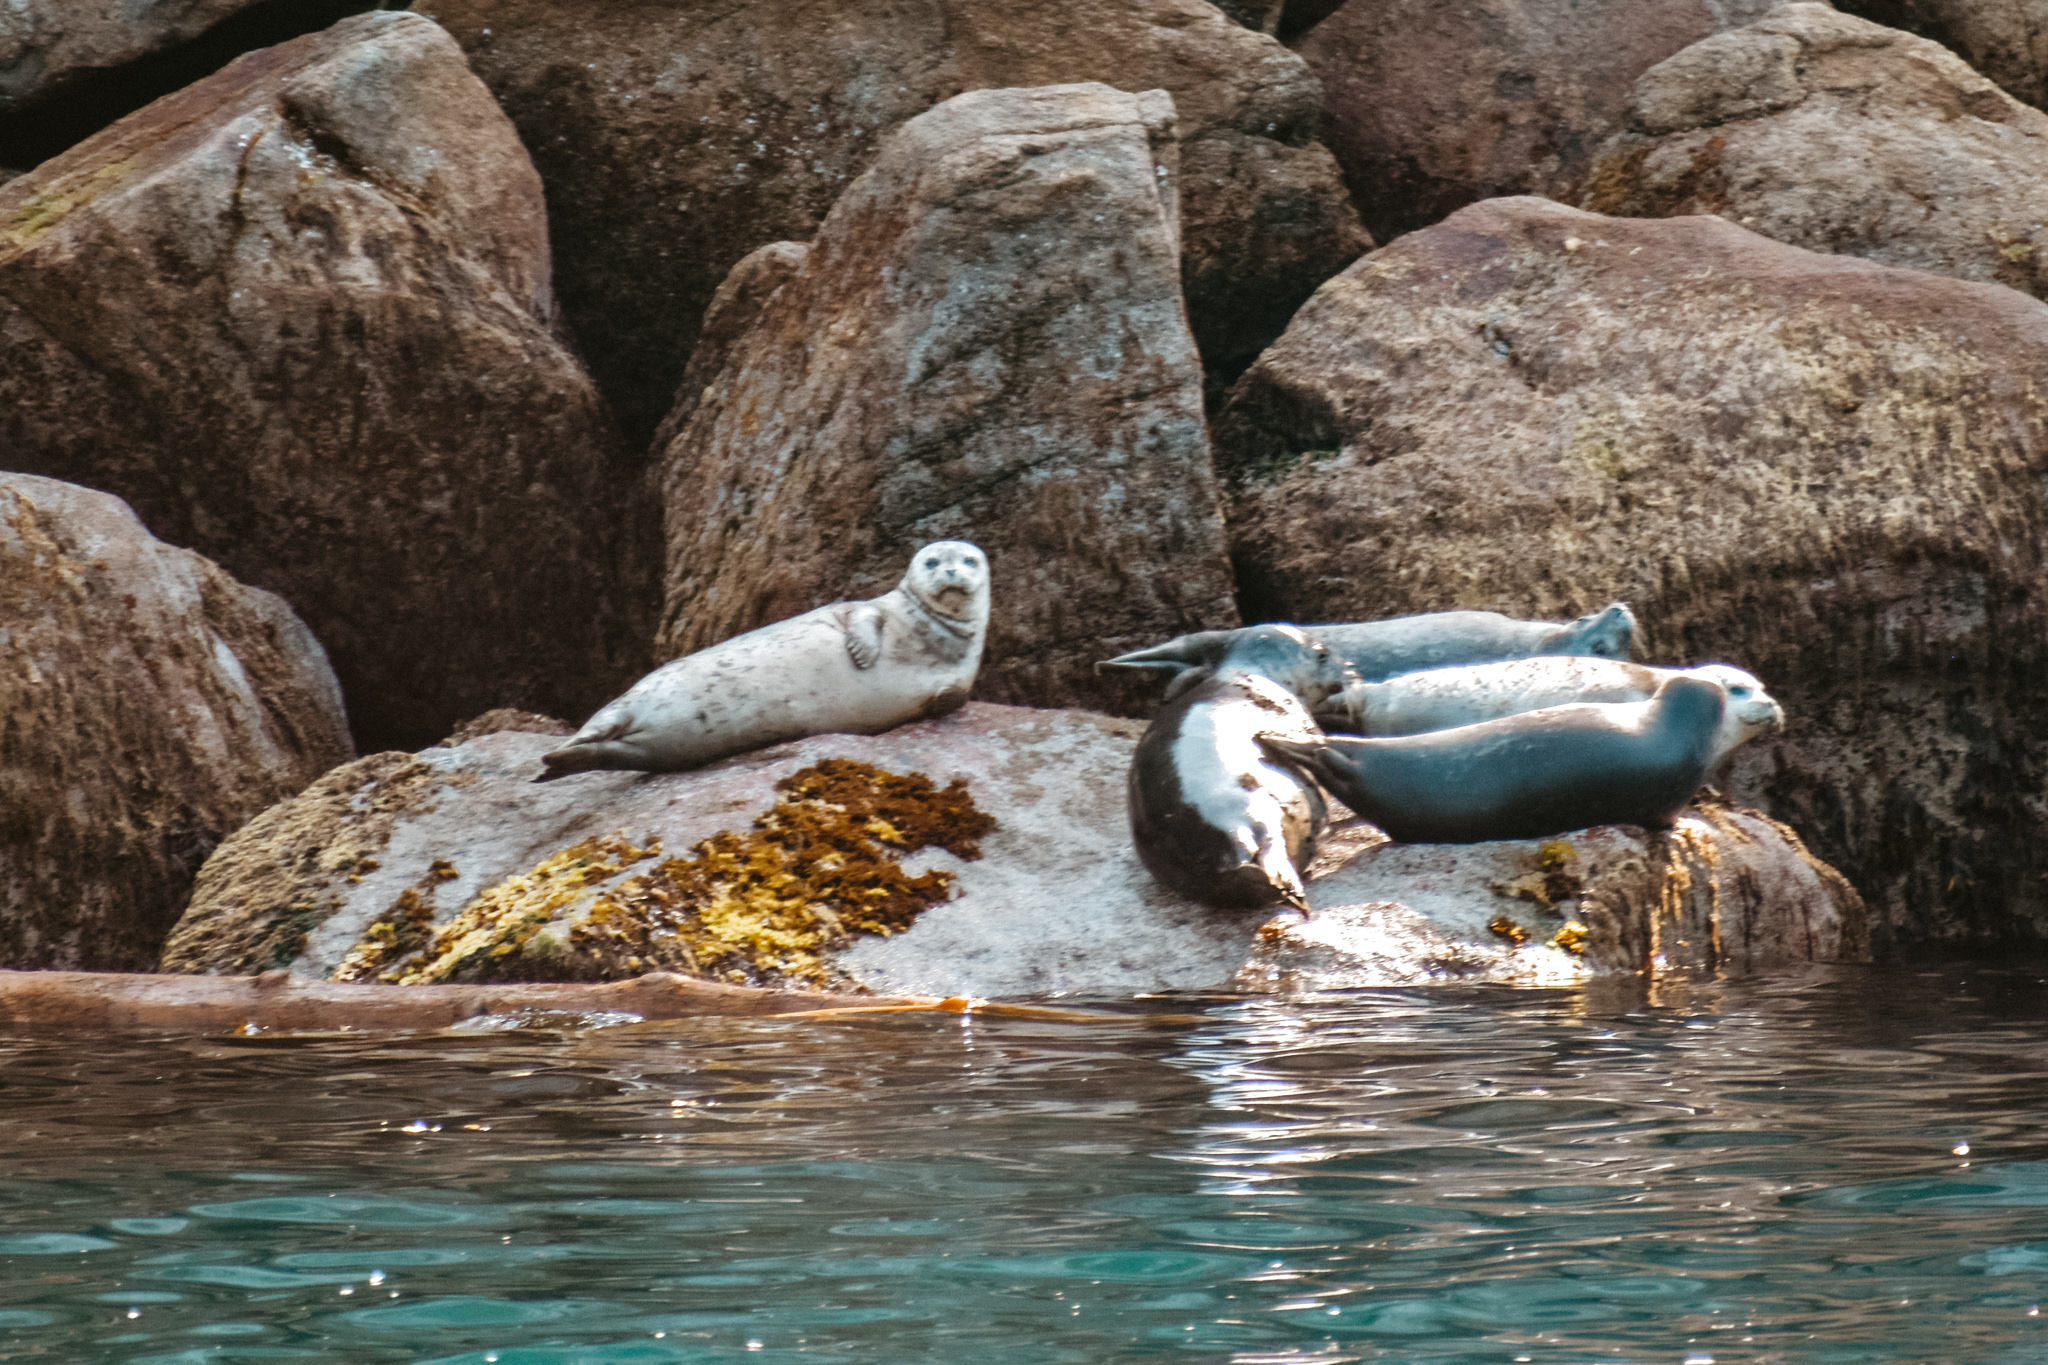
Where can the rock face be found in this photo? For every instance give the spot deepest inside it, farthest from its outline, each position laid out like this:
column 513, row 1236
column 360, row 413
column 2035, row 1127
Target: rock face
column 453, row 866
column 1826, row 471
column 149, row 705
column 984, row 342
column 675, row 140
column 299, row 316
column 1433, row 104
column 1834, row 134
column 2007, row 40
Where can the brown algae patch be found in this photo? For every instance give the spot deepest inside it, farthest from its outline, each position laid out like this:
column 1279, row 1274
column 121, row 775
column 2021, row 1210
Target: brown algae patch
column 1557, row 878
column 762, row 907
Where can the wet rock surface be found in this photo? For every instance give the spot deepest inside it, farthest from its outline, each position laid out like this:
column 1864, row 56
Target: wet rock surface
column 1723, row 892
column 1433, row 104
column 149, row 705
column 1834, row 134
column 984, row 341
column 675, row 140
column 462, row 849
column 300, row 316
column 1826, row 471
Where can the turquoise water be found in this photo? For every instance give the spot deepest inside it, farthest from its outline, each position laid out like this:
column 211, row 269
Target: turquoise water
column 1838, row 1167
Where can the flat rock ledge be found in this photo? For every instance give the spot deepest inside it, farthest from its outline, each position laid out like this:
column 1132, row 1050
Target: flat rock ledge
column 451, row 867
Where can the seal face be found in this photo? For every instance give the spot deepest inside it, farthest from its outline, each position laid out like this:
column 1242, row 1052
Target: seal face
column 850, row 668
column 1379, row 650
column 1215, row 816
column 1529, row 775
column 1444, row 698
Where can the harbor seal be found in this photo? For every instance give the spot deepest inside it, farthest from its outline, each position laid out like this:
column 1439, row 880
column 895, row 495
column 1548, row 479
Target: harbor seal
column 1444, row 698
column 1526, row 776
column 850, row 668
column 1213, row 815
column 1379, row 650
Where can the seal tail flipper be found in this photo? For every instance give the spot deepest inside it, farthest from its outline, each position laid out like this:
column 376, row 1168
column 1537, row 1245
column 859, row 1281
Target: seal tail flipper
column 1200, row 650
column 590, row 750
column 1281, row 873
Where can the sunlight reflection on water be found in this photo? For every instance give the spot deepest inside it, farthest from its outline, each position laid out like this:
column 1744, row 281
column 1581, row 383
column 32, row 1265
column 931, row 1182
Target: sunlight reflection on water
column 1834, row 1167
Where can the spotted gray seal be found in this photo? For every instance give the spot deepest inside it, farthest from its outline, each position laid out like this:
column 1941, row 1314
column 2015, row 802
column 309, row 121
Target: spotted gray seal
column 1525, row 776
column 1379, row 650
column 850, row 668
column 1443, row 698
column 1213, row 815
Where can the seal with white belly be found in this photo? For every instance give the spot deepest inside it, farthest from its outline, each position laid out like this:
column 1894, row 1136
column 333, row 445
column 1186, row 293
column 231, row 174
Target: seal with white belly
column 1523, row 777
column 850, row 668
column 1379, row 650
column 1444, row 698
column 1213, row 815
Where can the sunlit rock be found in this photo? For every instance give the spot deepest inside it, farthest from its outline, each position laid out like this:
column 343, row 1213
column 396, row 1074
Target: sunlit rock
column 985, row 854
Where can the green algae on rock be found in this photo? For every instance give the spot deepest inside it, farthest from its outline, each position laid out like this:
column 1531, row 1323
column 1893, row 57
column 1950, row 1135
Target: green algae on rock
column 757, row 908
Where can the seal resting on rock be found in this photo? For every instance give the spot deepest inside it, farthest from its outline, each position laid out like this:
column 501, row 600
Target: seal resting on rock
column 1526, row 776
column 1379, row 650
column 1213, row 815
column 1444, row 698
column 850, row 668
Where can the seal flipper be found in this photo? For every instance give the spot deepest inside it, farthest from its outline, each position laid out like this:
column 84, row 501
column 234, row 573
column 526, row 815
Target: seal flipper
column 862, row 623
column 1201, row 651
column 589, row 751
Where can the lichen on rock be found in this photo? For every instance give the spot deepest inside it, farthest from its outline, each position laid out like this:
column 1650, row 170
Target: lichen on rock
column 764, row 907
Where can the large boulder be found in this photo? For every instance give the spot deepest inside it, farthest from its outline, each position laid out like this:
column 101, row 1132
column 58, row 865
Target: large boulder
column 985, row 342
column 149, row 705
column 299, row 315
column 1433, row 104
column 47, row 46
column 1008, row 829
column 2007, row 40
column 1834, row 134
column 675, row 140
column 1827, row 471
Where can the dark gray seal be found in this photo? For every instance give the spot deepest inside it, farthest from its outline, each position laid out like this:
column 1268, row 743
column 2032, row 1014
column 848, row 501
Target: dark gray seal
column 1526, row 776
column 1215, row 816
column 1379, row 650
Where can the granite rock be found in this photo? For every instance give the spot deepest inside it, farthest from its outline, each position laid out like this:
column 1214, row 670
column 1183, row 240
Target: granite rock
column 49, row 45
column 1835, row 134
column 2007, row 40
column 1722, row 893
column 300, row 316
column 1057, row 901
column 675, row 140
column 984, row 342
column 149, row 706
column 1433, row 104
column 1826, row 471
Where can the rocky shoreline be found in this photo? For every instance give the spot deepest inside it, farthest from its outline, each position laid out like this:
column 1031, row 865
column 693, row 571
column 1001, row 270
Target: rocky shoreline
column 442, row 364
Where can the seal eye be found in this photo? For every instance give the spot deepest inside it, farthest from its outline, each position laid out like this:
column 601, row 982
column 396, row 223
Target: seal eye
column 931, row 563
column 971, row 562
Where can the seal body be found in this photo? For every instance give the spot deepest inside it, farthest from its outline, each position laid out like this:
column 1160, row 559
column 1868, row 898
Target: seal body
column 1444, row 698
column 1538, row 773
column 850, row 668
column 1215, row 816
column 1378, row 650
